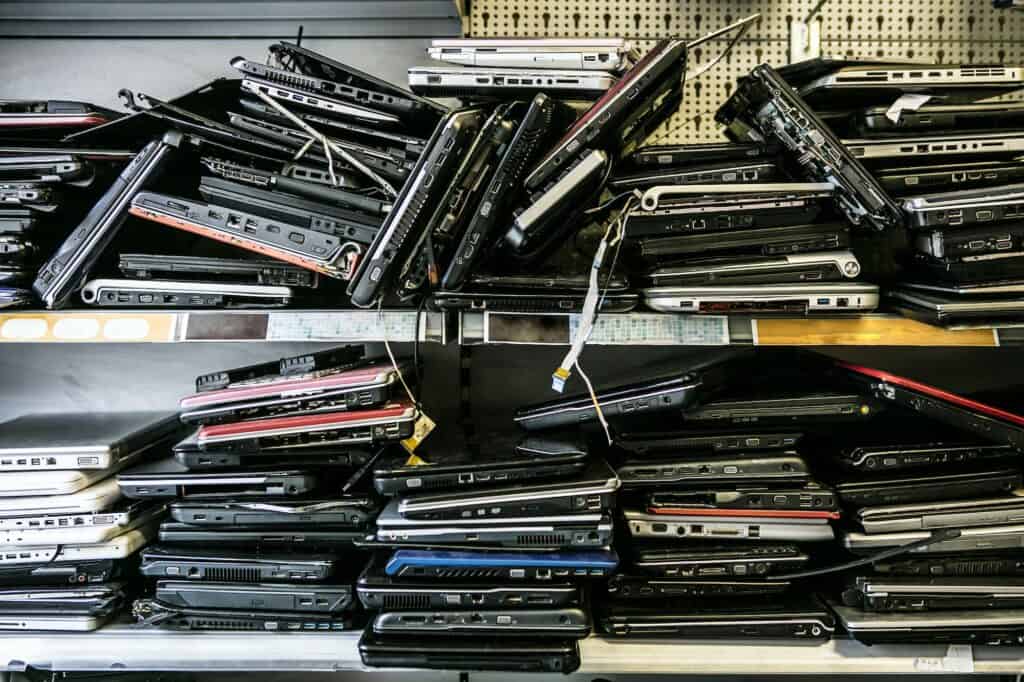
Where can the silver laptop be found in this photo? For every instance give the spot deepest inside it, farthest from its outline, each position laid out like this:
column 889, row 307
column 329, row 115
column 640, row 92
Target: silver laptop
column 87, row 440
column 442, row 81
column 665, row 526
column 979, row 626
column 971, row 540
column 981, row 289
column 179, row 294
column 334, row 106
column 948, row 308
column 930, row 515
column 950, row 81
column 802, row 267
column 966, row 207
column 661, row 196
column 795, row 299
column 96, row 498
column 590, row 54
column 954, row 144
column 118, row 547
column 77, row 529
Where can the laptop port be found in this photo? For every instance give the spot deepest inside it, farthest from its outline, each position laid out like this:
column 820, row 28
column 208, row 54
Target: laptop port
column 499, row 80
column 659, row 527
column 438, row 618
column 513, row 601
column 433, row 79
column 414, row 619
column 465, row 478
column 543, row 574
column 842, row 302
column 697, row 529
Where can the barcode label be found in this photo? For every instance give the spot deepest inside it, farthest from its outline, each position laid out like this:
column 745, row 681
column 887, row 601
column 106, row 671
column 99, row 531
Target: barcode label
column 656, row 329
column 356, row 325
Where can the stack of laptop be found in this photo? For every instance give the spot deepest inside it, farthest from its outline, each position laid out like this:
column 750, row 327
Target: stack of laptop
column 967, row 264
column 269, row 477
column 41, row 181
column 949, row 499
column 66, row 533
column 492, row 539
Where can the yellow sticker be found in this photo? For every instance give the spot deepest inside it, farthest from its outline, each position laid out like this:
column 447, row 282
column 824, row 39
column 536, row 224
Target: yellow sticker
column 424, row 425
column 414, row 461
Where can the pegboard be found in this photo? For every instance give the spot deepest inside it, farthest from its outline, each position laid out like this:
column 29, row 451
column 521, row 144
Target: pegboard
column 937, row 31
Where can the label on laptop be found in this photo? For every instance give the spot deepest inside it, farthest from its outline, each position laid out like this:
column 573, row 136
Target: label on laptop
column 959, row 658
column 655, row 329
column 907, row 102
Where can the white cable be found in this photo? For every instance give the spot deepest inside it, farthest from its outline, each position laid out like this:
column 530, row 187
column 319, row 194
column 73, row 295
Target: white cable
column 597, row 405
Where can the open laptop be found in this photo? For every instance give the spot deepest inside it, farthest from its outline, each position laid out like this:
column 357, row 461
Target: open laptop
column 591, row 54
column 765, row 299
column 80, row 441
column 592, row 490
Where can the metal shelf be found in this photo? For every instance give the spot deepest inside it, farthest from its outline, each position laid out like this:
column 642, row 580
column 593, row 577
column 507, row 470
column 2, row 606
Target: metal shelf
column 154, row 326
column 640, row 328
column 123, row 648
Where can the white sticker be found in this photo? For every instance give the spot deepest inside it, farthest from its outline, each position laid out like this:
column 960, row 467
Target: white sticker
column 656, row 329
column 959, row 658
column 907, row 102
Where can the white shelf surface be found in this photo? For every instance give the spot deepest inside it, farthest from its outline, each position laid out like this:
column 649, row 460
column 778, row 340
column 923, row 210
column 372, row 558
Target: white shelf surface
column 122, row 647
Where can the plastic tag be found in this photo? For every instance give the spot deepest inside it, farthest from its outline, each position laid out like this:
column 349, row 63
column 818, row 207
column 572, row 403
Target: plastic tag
column 414, row 461
column 907, row 102
column 424, row 425
column 959, row 658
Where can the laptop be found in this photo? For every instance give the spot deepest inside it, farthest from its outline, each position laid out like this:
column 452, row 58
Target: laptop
column 262, row 540
column 533, row 458
column 502, row 565
column 584, row 530
column 688, row 470
column 189, row 455
column 154, row 614
column 500, row 653
column 934, row 117
column 63, row 600
column 641, row 588
column 49, row 168
column 950, row 310
column 279, row 597
column 989, row 626
column 981, row 269
column 538, row 226
column 326, row 105
column 152, row 293
column 200, row 268
column 193, row 563
column 705, row 442
column 475, row 82
column 592, row 491
column 780, row 408
column 363, row 386
column 319, row 250
column 355, row 511
column 618, row 299
column 990, row 422
column 545, row 118
column 744, row 270
column 49, row 115
column 17, row 221
column 567, row 621
column 78, row 529
column 117, row 547
column 765, row 299
column 883, row 83
column 63, row 573
column 966, row 207
column 658, row 156
column 989, row 511
column 797, row 618
column 713, row 173
column 627, row 106
column 590, row 54
column 68, row 268
column 962, row 243
column 725, row 213
column 392, row 421
column 906, row 488
column 339, row 358
column 644, row 525
column 167, row 478
column 888, row 594
column 80, row 441
column 427, row 187
column 979, row 146
column 900, row 456
column 780, row 501
column 950, row 176
column 762, row 241
column 766, row 102
column 954, row 565
column 703, row 560
column 98, row 497
column 379, row 592
column 662, row 394
column 982, row 538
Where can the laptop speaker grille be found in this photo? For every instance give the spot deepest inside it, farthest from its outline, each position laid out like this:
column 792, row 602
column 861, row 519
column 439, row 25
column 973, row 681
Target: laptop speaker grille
column 406, row 601
column 234, row 575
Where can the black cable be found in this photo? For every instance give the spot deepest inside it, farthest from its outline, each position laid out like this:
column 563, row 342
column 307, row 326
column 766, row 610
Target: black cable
column 417, row 366
column 937, row 536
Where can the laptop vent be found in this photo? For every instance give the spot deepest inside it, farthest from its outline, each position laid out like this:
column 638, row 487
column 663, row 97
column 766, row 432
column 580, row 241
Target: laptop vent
column 468, row 572
column 406, row 601
column 983, row 72
column 233, row 575
column 548, row 540
column 977, row 568
column 216, row 624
